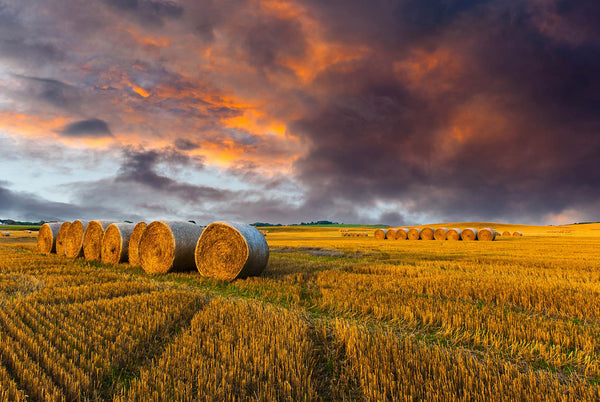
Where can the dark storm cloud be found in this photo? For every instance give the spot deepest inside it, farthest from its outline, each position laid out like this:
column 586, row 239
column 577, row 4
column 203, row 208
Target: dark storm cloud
column 148, row 11
column 91, row 128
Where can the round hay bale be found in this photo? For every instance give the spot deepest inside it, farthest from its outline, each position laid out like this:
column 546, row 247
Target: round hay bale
column 486, row 234
column 229, row 251
column 74, row 247
column 391, row 234
column 46, row 240
column 380, row 234
column 115, row 243
column 469, row 234
column 506, row 233
column 134, row 244
column 440, row 234
column 168, row 246
column 414, row 234
column 427, row 234
column 92, row 239
column 402, row 234
column 517, row 234
column 454, row 234
column 498, row 234
column 61, row 239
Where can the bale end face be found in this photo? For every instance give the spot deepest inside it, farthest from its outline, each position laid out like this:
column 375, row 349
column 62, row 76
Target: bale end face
column 454, row 234
column 134, row 244
column 115, row 243
column 228, row 251
column 440, row 234
column 402, row 234
column 391, row 234
column 427, row 234
column 46, row 240
column 517, row 234
column 380, row 234
column 486, row 234
column 469, row 234
column 414, row 234
column 168, row 246
column 506, row 233
column 61, row 239
column 74, row 246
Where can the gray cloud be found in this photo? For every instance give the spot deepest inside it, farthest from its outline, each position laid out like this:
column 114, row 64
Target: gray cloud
column 91, row 128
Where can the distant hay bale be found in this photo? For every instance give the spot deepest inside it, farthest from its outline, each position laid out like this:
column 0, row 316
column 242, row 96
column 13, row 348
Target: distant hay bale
column 517, row 234
column 380, row 234
column 440, row 234
column 46, row 241
column 391, row 234
column 61, row 239
column 6, row 234
column 427, row 234
column 469, row 234
column 115, row 243
column 506, row 233
column 168, row 246
column 229, row 251
column 454, row 234
column 486, row 234
column 134, row 244
column 92, row 239
column 414, row 234
column 498, row 234
column 75, row 239
column 402, row 234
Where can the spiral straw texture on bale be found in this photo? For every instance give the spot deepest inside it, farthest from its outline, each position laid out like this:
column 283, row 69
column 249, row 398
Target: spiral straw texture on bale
column 506, row 233
column 391, row 234
column 440, row 234
column 380, row 234
column 228, row 251
column 134, row 244
column 75, row 239
column 454, row 234
column 486, row 234
column 169, row 246
column 115, row 243
column 414, row 234
column 402, row 234
column 469, row 234
column 46, row 241
column 427, row 234
column 61, row 239
column 92, row 239
column 517, row 234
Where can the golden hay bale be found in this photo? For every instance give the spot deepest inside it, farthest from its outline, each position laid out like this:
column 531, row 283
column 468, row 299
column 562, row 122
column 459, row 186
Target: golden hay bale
column 134, row 244
column 402, row 234
column 469, row 234
column 506, row 233
column 92, row 239
column 115, row 243
column 380, row 234
column 454, row 234
column 229, row 251
column 517, row 234
column 427, row 233
column 74, row 247
column 61, row 239
column 168, row 246
column 498, row 234
column 414, row 234
column 391, row 234
column 440, row 234
column 46, row 241
column 486, row 234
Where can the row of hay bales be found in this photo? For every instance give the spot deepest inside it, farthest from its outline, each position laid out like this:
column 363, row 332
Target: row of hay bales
column 355, row 234
column 427, row 233
column 222, row 250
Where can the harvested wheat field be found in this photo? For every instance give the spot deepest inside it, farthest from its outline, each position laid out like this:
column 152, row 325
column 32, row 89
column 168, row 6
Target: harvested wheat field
column 329, row 318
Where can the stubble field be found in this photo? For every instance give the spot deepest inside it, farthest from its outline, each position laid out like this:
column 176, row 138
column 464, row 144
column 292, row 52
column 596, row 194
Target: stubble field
column 331, row 318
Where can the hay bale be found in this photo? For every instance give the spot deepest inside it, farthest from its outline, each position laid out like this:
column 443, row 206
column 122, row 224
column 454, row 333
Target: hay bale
column 468, row 234
column 380, row 234
column 61, row 239
column 46, row 240
column 391, row 234
column 498, row 234
column 427, row 234
column 74, row 247
column 115, row 243
column 517, row 234
column 229, row 251
column 92, row 239
column 440, row 234
column 454, row 234
column 486, row 234
column 168, row 246
column 414, row 234
column 506, row 233
column 134, row 244
column 402, row 234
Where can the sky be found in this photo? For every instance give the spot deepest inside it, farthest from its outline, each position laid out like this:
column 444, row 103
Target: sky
column 394, row 112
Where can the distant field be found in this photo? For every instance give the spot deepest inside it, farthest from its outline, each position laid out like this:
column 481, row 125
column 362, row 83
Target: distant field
column 19, row 227
column 331, row 318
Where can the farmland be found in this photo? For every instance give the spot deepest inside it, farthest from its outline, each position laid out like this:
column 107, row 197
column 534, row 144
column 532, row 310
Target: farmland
column 331, row 318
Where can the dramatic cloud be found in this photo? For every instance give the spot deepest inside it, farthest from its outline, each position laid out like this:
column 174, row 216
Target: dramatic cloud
column 87, row 128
